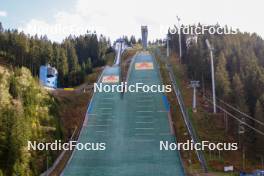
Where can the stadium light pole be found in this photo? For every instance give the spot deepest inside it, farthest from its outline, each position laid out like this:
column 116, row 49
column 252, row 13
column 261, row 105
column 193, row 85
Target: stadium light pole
column 212, row 72
column 179, row 31
column 168, row 49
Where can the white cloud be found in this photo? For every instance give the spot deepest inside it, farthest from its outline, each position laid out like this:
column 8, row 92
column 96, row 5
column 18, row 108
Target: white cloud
column 124, row 17
column 3, row 13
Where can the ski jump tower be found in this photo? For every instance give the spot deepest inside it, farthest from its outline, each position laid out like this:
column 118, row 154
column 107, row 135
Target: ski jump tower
column 144, row 33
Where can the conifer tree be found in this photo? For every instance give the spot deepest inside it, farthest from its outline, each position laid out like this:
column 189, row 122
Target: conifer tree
column 222, row 78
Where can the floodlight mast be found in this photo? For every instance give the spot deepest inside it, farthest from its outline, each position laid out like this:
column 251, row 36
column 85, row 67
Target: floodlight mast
column 212, row 72
column 168, row 49
column 179, row 31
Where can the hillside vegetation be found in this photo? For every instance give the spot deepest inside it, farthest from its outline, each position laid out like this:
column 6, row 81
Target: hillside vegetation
column 74, row 57
column 239, row 73
column 27, row 113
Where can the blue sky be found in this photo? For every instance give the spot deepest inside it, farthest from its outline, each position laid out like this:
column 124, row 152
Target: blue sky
column 20, row 12
column 59, row 18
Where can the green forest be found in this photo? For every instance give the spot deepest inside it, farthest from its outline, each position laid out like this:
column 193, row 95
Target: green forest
column 27, row 112
column 73, row 57
column 239, row 74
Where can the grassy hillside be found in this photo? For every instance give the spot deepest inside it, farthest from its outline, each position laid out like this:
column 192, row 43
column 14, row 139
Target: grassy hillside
column 208, row 126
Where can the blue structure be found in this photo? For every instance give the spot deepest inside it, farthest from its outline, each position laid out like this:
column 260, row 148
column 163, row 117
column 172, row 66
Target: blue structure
column 259, row 173
column 48, row 76
column 255, row 173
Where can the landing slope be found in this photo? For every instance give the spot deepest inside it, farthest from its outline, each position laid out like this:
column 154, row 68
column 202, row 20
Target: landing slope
column 132, row 126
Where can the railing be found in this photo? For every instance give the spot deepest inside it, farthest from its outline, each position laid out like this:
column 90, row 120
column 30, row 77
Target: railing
column 185, row 115
column 59, row 158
